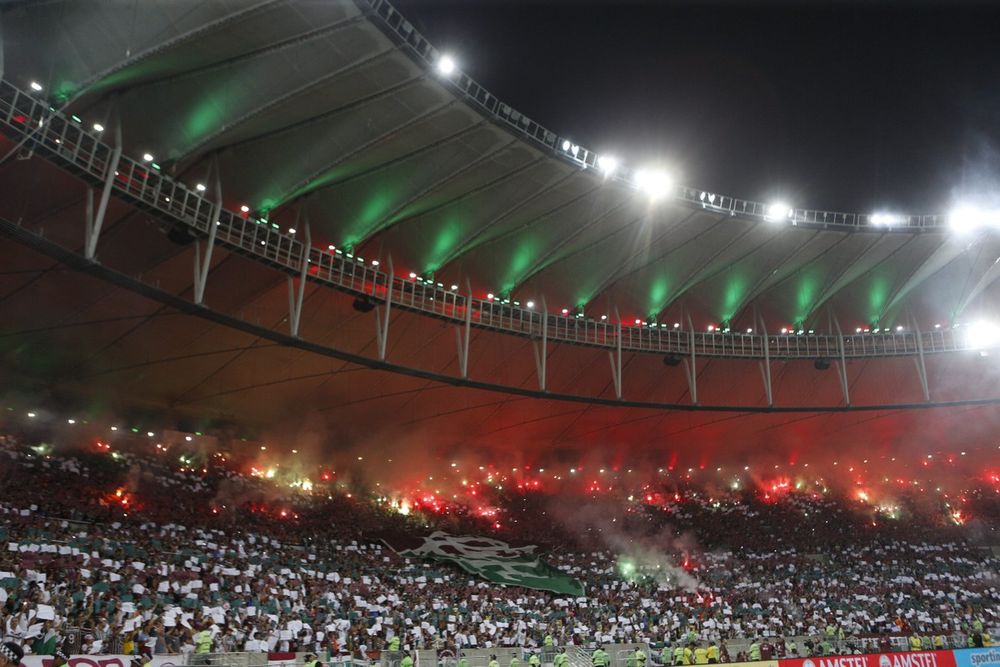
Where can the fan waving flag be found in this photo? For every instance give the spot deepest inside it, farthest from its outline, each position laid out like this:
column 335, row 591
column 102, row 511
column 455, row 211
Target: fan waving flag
column 492, row 560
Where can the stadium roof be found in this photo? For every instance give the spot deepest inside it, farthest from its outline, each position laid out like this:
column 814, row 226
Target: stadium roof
column 319, row 113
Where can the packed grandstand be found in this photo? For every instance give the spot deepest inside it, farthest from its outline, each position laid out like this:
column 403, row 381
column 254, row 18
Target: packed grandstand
column 134, row 549
column 313, row 351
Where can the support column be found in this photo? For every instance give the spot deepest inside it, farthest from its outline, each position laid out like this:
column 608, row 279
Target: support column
column 96, row 221
column 921, row 365
column 542, row 352
column 765, row 366
column 690, row 364
column 462, row 335
column 615, row 358
column 202, row 264
column 842, row 364
column 296, row 297
column 382, row 319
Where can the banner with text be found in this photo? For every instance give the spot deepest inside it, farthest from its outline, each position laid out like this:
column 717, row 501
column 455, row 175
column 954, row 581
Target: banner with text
column 906, row 659
column 978, row 657
column 101, row 660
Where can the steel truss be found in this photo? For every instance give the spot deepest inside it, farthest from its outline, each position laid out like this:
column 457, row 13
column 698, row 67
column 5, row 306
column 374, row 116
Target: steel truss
column 49, row 134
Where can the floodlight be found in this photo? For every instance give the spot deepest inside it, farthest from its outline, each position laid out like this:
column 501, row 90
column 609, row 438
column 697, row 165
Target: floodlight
column 608, row 164
column 982, row 334
column 653, row 182
column 446, row 65
column 35, row 86
column 967, row 218
column 98, row 127
column 885, row 219
column 530, row 304
column 147, row 157
column 778, row 211
column 200, row 187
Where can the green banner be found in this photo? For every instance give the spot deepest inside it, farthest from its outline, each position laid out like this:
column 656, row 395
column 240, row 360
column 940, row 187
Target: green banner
column 492, row 560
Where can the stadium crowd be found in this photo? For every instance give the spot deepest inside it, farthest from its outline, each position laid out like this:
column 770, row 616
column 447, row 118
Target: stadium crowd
column 127, row 554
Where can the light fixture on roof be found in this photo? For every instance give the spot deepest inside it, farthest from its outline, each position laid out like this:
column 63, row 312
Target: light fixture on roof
column 446, row 65
column 604, row 317
column 885, row 219
column 490, row 296
column 981, row 335
column 653, row 182
column 530, row 304
column 148, row 157
column 98, row 127
column 778, row 211
column 35, row 86
column 200, row 187
column 565, row 311
column 454, row 288
column 375, row 262
column 967, row 218
column 291, row 230
column 608, row 164
column 244, row 209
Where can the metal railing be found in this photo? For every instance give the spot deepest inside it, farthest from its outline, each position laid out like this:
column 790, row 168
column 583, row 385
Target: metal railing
column 46, row 132
column 474, row 94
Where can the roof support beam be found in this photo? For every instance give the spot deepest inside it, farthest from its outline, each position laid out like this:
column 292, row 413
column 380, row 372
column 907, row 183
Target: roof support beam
column 387, row 220
column 437, row 143
column 690, row 363
column 765, row 363
column 296, row 297
column 464, row 334
column 192, row 153
column 95, row 221
column 542, row 262
column 615, row 357
column 202, row 29
column 919, row 360
column 469, row 241
column 842, row 364
column 304, row 186
column 201, row 266
column 542, row 350
column 382, row 319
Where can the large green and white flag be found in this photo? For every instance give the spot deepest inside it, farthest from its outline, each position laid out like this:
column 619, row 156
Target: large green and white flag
column 491, row 559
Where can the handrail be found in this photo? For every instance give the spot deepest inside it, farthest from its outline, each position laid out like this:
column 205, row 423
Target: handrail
column 48, row 132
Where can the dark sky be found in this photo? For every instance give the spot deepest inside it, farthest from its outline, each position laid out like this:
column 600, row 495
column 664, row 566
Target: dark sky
column 857, row 106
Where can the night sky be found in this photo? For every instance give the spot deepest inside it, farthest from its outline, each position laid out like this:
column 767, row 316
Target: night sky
column 858, row 106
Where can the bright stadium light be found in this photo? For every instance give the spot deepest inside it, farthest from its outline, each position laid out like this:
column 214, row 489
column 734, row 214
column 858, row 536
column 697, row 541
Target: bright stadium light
column 530, row 304
column 200, row 187
column 608, row 164
column 98, row 127
column 779, row 210
column 446, row 65
column 35, row 86
column 981, row 335
column 653, row 182
column 968, row 218
column 885, row 219
column 147, row 157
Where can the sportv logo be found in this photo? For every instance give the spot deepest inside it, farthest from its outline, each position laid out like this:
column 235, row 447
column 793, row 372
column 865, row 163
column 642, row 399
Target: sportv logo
column 991, row 657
